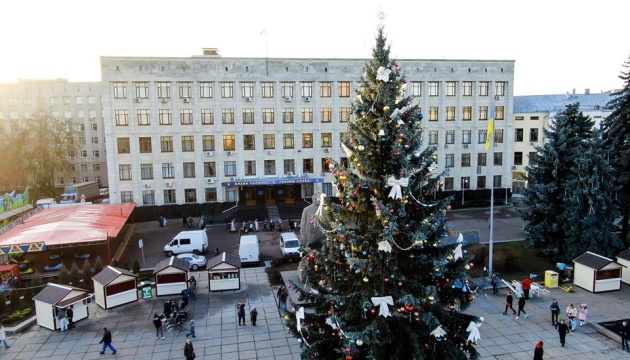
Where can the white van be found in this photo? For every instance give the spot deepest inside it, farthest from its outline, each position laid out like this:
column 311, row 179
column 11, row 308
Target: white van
column 45, row 203
column 194, row 241
column 289, row 245
column 249, row 250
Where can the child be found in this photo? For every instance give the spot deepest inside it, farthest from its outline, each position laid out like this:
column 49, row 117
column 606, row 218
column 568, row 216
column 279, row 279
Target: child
column 582, row 314
column 192, row 329
column 252, row 315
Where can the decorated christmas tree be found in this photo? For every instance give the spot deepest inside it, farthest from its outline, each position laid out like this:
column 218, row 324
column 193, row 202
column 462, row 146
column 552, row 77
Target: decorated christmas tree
column 389, row 281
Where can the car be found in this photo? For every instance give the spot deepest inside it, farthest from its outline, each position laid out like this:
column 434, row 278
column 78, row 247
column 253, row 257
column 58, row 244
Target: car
column 290, row 245
column 194, row 261
column 103, row 192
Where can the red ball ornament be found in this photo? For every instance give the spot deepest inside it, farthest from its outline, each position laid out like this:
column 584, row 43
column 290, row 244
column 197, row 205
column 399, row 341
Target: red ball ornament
column 450, row 233
column 409, row 307
column 311, row 256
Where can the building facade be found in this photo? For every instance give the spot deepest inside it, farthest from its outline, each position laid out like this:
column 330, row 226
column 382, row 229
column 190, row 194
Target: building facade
column 259, row 131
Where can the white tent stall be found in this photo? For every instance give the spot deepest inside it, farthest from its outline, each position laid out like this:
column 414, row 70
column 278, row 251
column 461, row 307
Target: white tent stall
column 171, row 276
column 224, row 272
column 596, row 273
column 55, row 296
column 623, row 259
column 114, row 287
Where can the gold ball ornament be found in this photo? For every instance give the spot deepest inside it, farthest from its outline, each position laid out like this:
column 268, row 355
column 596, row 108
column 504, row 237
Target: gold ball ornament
column 386, row 108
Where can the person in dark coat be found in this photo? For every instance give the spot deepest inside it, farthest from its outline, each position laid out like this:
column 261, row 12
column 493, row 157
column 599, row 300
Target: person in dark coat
column 625, row 335
column 240, row 307
column 555, row 311
column 157, row 322
column 539, row 351
column 189, row 350
column 70, row 315
column 253, row 315
column 509, row 300
column 521, row 307
column 563, row 329
column 495, row 282
column 168, row 308
column 107, row 341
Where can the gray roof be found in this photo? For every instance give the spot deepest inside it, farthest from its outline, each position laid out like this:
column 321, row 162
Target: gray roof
column 109, row 274
column 53, row 293
column 173, row 261
column 555, row 103
column 592, row 260
column 224, row 258
column 625, row 255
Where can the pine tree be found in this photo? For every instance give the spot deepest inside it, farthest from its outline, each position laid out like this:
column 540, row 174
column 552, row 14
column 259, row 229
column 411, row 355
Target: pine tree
column 385, row 282
column 616, row 127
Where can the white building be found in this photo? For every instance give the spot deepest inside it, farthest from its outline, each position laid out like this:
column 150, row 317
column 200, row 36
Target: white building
column 256, row 130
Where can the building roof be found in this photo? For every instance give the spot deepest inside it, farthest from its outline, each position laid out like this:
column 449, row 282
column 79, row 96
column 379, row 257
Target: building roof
column 173, row 261
column 592, row 260
column 109, row 274
column 224, row 258
column 555, row 103
column 53, row 293
column 625, row 255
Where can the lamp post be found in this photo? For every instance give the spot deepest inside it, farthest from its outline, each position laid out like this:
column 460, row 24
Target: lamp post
column 509, row 185
column 464, row 183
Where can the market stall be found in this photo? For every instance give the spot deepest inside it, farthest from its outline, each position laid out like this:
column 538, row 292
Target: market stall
column 596, row 273
column 224, row 272
column 171, row 276
column 54, row 297
column 623, row 259
column 114, row 287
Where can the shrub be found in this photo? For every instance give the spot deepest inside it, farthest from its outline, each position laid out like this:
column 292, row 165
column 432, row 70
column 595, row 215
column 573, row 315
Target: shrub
column 15, row 299
column 28, row 295
column 3, row 304
column 75, row 277
column 64, row 275
column 36, row 282
column 136, row 267
column 19, row 314
column 506, row 259
column 87, row 276
column 98, row 265
column 479, row 254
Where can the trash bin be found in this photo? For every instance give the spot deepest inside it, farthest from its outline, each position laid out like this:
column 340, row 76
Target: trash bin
column 147, row 290
column 551, row 279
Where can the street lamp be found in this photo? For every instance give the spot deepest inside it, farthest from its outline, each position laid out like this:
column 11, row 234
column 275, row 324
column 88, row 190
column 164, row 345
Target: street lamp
column 464, row 183
column 509, row 185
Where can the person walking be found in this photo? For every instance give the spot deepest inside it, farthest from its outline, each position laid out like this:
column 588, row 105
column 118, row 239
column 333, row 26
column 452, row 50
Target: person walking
column 253, row 315
column 624, row 333
column 527, row 285
column 282, row 297
column 509, row 300
column 70, row 315
column 189, row 350
column 563, row 329
column 256, row 225
column 240, row 310
column 157, row 322
column 63, row 319
column 539, row 351
column 184, row 222
column 107, row 341
column 3, row 337
column 521, row 307
column 582, row 314
column 555, row 312
column 495, row 282
column 571, row 314
column 192, row 329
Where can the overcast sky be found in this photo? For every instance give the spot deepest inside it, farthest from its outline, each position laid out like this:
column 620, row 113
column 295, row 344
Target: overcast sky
column 558, row 45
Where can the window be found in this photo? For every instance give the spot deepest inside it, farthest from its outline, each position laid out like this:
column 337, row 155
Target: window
column 533, row 135
column 144, row 117
column 227, row 89
column 483, row 113
column 531, row 158
column 483, row 88
column 207, row 142
column 496, row 181
column 96, row 167
column 169, row 196
column 433, row 137
column 534, row 118
column 344, row 89
column 449, row 183
column 126, row 197
column 96, row 153
column 450, row 136
column 205, row 90
column 416, row 88
column 250, row 168
column 482, row 159
column 164, row 89
column 145, row 144
column 451, row 88
column 520, row 118
column 207, row 117
column 481, row 136
column 168, row 171
column 498, row 136
column 123, row 145
column 120, row 91
column 498, row 158
column 467, row 87
column 142, row 89
column 467, row 113
column 268, row 116
column 481, row 182
column 518, row 158
column 289, row 166
column 465, row 160
column 518, row 135
column 288, row 141
column 247, row 89
column 188, row 143
column 124, row 172
column 326, row 114
column 148, row 197
column 122, row 117
column 326, row 140
column 267, row 89
column 146, row 171
column 307, row 115
column 186, row 116
column 227, row 116
column 166, row 143
column 211, row 194
column 229, row 168
column 67, row 99
column 270, row 167
column 307, row 140
column 499, row 88
column 249, row 142
column 325, row 89
column 434, row 88
column 91, row 100
column 466, row 136
column 269, row 141
column 229, row 142
column 189, row 169
column 209, row 169
column 185, row 89
column 433, row 113
column 60, row 181
column 287, row 88
column 499, row 113
column 450, row 113
column 344, row 114
column 94, row 127
column 450, row 161
column 306, row 88
column 165, row 116
column 307, row 166
column 248, row 116
column 287, row 115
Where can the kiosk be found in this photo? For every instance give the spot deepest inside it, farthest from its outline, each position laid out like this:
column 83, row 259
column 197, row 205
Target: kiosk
column 224, row 272
column 596, row 273
column 171, row 276
column 623, row 259
column 114, row 287
column 55, row 296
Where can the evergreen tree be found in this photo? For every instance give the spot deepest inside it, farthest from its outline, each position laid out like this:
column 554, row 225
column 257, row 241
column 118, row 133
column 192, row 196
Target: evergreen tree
column 616, row 127
column 385, row 284
column 570, row 191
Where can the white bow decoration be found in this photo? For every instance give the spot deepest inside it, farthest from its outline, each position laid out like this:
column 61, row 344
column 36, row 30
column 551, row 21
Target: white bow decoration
column 460, row 238
column 384, row 246
column 438, row 332
column 382, row 302
column 394, row 116
column 383, row 74
column 458, row 252
column 395, row 184
column 299, row 316
column 473, row 328
column 320, row 209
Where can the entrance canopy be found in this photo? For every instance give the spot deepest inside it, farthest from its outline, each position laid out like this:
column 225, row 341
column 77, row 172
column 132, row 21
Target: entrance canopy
column 272, row 181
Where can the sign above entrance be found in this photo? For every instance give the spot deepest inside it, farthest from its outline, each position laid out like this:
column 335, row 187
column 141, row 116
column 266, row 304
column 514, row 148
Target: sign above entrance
column 272, row 181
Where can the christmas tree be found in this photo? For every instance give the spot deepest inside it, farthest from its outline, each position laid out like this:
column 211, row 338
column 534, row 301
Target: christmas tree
column 387, row 283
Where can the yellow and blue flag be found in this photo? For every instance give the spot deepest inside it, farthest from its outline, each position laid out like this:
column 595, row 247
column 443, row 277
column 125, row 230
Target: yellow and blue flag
column 490, row 131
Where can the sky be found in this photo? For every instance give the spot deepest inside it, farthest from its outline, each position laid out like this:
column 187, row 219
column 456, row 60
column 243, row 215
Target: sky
column 557, row 45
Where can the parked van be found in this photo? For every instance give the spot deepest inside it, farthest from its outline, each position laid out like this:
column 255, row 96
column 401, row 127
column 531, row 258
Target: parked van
column 195, row 241
column 249, row 250
column 289, row 245
column 45, row 203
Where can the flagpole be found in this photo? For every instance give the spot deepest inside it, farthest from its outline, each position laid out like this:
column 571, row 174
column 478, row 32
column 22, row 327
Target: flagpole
column 491, row 147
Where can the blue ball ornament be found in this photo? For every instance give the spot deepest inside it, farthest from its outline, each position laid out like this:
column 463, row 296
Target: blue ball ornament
column 392, row 276
column 420, row 116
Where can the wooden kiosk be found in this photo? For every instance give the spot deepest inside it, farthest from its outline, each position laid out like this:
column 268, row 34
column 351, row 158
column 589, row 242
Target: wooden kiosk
column 114, row 287
column 596, row 273
column 55, row 296
column 224, row 273
column 171, row 276
column 623, row 259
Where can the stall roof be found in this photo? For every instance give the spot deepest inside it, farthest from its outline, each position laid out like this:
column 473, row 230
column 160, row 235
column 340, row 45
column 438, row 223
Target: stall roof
column 173, row 261
column 71, row 225
column 54, row 293
column 592, row 260
column 110, row 274
column 624, row 255
column 224, row 258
